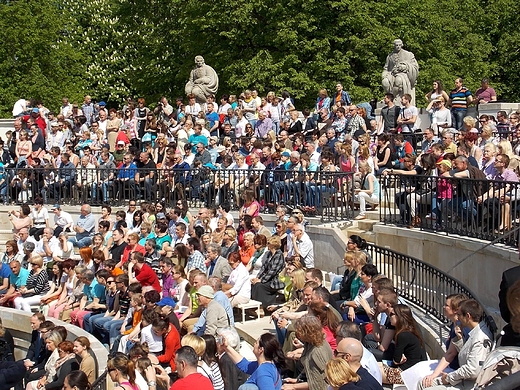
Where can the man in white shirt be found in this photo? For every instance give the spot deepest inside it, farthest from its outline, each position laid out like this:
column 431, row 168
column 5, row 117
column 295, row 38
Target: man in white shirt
column 408, row 116
column 47, row 245
column 20, row 107
column 302, row 246
column 62, row 220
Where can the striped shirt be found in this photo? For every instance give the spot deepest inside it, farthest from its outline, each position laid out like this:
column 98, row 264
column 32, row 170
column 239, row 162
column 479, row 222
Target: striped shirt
column 459, row 99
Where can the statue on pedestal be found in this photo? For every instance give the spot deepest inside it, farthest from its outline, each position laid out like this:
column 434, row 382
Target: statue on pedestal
column 203, row 81
column 400, row 72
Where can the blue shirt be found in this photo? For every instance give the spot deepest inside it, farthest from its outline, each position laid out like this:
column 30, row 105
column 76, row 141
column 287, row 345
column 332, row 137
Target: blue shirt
column 95, row 290
column 5, row 272
column 127, row 172
column 19, row 280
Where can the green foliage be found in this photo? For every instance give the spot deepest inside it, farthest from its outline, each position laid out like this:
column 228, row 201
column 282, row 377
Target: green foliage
column 36, row 60
column 112, row 48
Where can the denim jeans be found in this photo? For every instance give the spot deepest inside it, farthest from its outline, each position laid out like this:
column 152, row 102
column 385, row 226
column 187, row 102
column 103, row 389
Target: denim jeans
column 457, row 117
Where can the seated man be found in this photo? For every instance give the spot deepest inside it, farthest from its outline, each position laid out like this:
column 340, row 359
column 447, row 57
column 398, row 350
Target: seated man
column 472, row 352
column 497, row 199
column 126, row 177
column 238, row 286
column 216, row 284
column 84, row 227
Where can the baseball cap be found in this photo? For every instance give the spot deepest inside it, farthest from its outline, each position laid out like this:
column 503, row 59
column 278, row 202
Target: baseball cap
column 161, row 216
column 35, row 110
column 56, row 207
column 206, row 291
column 121, row 143
column 286, row 154
column 446, row 163
column 102, row 103
column 167, row 301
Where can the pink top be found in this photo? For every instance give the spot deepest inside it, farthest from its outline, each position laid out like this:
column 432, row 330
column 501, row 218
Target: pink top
column 329, row 336
column 444, row 189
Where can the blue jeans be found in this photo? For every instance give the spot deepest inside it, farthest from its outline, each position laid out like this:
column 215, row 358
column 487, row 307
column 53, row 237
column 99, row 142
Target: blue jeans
column 457, row 117
column 82, row 242
column 113, row 329
column 88, row 321
column 99, row 328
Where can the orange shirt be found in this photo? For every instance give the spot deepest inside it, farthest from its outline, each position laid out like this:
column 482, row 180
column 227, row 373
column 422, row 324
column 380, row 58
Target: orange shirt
column 246, row 254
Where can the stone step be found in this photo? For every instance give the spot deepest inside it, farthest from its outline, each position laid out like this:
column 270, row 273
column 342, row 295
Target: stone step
column 369, row 236
column 366, row 224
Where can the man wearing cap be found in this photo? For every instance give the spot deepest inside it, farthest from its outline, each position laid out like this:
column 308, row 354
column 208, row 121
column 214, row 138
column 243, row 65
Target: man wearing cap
column 216, row 284
column 119, row 153
column 54, row 137
column 146, row 176
column 167, row 306
column 62, row 220
column 216, row 316
column 84, row 227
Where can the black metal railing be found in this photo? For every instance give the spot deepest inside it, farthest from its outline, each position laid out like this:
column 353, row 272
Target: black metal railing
column 101, row 382
column 321, row 193
column 421, row 283
column 483, row 209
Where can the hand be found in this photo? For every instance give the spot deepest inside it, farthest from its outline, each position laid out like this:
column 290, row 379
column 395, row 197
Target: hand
column 290, row 380
column 427, row 381
column 297, row 343
column 150, row 374
column 444, row 379
column 122, row 330
column 282, row 323
column 403, row 359
column 351, row 314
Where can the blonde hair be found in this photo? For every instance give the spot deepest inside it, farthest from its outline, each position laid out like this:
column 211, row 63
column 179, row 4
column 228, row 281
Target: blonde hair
column 469, row 121
column 339, row 372
column 505, row 145
column 298, row 276
column 196, row 342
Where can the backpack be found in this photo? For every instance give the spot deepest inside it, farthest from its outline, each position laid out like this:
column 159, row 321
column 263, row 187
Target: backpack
column 499, row 364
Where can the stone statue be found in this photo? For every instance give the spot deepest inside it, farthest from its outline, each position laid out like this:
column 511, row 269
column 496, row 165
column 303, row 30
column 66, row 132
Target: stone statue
column 203, row 81
column 400, row 72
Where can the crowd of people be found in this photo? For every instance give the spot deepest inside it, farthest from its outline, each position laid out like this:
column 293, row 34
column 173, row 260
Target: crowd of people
column 161, row 294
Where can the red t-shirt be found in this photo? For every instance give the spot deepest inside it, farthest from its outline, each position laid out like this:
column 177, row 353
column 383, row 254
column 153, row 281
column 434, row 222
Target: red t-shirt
column 193, row 381
column 127, row 251
column 147, row 277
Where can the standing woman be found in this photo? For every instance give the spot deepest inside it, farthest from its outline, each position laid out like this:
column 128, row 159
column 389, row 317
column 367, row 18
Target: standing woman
column 129, row 128
column 382, row 160
column 23, row 147
column 323, row 101
column 436, row 91
column 409, row 346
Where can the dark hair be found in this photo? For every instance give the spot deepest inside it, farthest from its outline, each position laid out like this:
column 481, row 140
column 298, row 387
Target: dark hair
column 370, row 270
column 79, row 379
column 473, row 308
column 360, row 242
column 152, row 296
column 272, row 350
column 405, row 322
column 324, row 313
column 187, row 355
column 210, row 353
column 248, row 221
column 104, row 224
column 348, row 329
column 194, row 242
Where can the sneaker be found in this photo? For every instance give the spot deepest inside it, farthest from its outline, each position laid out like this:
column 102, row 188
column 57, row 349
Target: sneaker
column 431, row 216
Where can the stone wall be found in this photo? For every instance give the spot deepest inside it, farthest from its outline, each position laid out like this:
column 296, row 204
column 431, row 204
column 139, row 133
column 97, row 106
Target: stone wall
column 19, row 324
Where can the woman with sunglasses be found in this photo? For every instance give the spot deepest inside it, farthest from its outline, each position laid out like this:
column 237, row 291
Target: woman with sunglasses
column 35, row 288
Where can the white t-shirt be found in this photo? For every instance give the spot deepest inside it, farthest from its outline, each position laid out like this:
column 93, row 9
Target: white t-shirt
column 19, row 107
column 408, row 113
